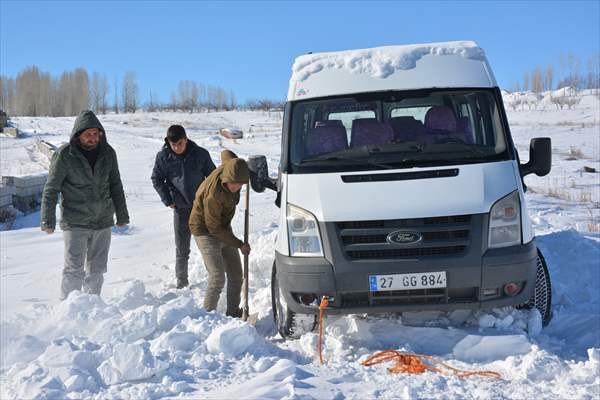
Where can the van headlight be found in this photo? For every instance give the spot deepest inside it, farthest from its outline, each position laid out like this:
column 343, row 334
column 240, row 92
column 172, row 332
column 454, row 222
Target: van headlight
column 303, row 233
column 505, row 222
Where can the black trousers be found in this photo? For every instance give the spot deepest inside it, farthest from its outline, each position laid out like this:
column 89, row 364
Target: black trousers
column 181, row 217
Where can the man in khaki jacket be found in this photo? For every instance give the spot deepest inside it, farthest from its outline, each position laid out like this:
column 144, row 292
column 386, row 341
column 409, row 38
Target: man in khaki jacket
column 210, row 223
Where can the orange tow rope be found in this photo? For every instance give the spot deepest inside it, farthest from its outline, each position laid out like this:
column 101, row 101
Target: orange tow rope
column 415, row 364
column 405, row 363
column 322, row 306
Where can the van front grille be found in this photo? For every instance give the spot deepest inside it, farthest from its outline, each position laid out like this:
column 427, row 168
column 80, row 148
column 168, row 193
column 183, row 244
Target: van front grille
column 406, row 297
column 397, row 253
column 439, row 236
column 358, row 239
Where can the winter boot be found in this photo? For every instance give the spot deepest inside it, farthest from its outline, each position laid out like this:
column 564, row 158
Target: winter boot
column 235, row 312
column 182, row 282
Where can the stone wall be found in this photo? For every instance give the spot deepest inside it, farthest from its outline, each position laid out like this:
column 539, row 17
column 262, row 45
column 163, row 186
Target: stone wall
column 26, row 191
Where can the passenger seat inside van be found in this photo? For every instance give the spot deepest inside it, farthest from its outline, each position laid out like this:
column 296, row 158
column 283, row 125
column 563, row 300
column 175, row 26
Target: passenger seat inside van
column 369, row 131
column 441, row 125
column 407, row 128
column 326, row 137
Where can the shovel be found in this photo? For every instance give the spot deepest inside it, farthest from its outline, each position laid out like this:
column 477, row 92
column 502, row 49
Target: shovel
column 259, row 180
column 246, row 310
column 246, row 316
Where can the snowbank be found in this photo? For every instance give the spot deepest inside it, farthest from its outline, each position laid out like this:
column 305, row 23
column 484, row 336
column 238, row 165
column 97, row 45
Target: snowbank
column 232, row 339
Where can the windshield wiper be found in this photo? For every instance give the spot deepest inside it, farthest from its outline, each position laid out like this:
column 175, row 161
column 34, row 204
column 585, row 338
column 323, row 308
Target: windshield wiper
column 359, row 153
column 353, row 160
column 362, row 154
column 396, row 148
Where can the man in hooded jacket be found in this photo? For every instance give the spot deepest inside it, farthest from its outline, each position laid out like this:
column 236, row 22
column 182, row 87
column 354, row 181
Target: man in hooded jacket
column 210, row 223
column 180, row 167
column 86, row 175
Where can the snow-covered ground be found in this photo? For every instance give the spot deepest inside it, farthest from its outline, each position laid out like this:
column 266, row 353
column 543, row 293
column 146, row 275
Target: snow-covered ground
column 146, row 340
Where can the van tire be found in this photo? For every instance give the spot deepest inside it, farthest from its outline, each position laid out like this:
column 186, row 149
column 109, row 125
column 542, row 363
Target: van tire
column 542, row 293
column 290, row 325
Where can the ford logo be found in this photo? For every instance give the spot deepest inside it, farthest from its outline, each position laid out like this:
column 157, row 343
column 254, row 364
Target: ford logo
column 404, row 237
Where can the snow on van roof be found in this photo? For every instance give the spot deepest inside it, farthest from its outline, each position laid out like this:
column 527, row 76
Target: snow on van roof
column 381, row 62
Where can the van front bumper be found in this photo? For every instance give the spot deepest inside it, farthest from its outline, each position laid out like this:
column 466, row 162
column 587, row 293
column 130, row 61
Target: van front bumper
column 471, row 285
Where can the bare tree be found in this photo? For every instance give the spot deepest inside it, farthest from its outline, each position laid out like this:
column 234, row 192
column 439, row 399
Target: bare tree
column 130, row 92
column 563, row 66
column 525, row 81
column 211, row 98
column 597, row 85
column 81, row 93
column 548, row 77
column 220, row 98
column 232, row 101
column 194, row 97
column 184, row 95
column 95, row 92
column 7, row 94
column 201, row 95
column 116, row 97
column 537, row 84
column 590, row 81
column 103, row 94
column 173, row 103
column 46, row 94
column 151, row 106
column 574, row 66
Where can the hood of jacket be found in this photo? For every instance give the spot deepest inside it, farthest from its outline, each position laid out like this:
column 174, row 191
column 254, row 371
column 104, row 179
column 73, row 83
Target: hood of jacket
column 235, row 171
column 86, row 120
column 227, row 155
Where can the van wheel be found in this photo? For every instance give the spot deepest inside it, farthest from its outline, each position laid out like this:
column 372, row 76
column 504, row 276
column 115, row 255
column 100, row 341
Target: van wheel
column 290, row 325
column 542, row 293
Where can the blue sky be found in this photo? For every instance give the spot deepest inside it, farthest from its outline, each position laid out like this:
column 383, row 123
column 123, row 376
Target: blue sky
column 249, row 47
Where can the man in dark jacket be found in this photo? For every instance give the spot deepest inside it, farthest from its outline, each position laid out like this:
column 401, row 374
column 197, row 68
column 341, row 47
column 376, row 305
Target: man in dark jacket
column 86, row 174
column 180, row 168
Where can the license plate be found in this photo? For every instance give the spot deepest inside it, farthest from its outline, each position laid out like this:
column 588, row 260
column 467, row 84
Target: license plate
column 421, row 280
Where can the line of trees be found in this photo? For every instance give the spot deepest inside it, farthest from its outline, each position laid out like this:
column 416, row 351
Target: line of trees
column 37, row 93
column 34, row 92
column 570, row 69
column 194, row 97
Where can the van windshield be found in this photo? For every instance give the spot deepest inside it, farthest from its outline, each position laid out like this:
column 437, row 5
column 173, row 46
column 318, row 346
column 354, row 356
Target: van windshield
column 385, row 130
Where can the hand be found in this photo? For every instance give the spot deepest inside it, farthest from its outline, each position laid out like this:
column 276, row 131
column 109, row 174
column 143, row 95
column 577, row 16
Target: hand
column 245, row 249
column 172, row 206
column 49, row 231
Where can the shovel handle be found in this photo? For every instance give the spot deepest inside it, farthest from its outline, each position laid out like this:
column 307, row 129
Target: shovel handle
column 246, row 310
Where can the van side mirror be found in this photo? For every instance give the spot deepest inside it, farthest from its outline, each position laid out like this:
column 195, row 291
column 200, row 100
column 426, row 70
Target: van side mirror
column 259, row 174
column 540, row 157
